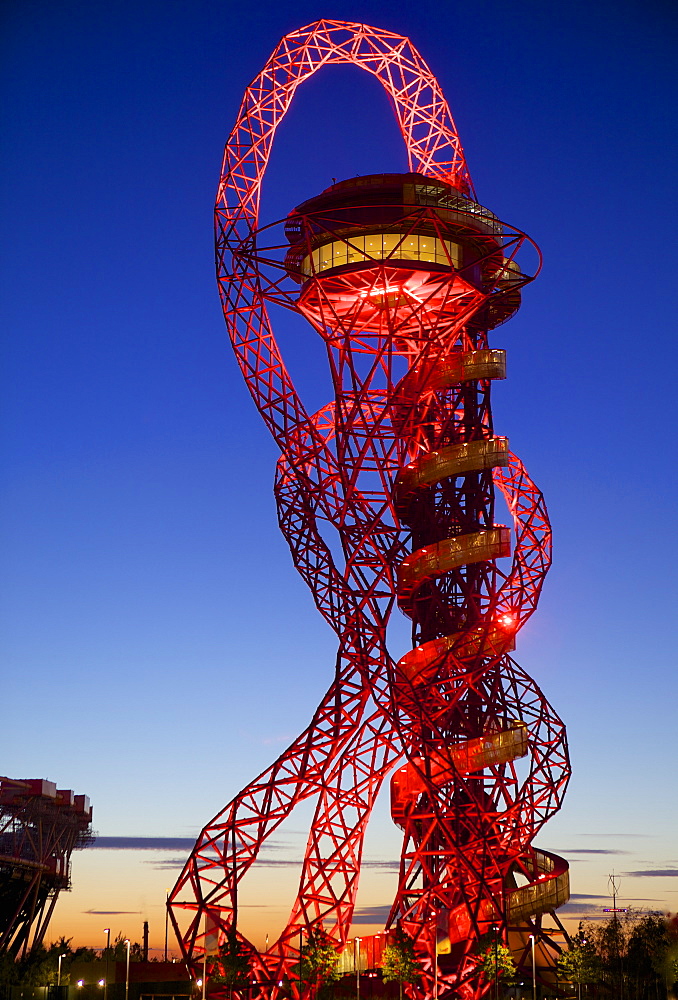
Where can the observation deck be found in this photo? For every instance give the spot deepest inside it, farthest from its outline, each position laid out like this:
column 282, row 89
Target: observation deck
column 396, row 241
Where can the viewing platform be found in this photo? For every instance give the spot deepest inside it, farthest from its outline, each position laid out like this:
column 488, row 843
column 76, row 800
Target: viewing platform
column 450, row 553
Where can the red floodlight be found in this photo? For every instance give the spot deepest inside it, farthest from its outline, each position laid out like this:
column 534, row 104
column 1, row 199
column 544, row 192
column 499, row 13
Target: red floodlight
column 402, row 275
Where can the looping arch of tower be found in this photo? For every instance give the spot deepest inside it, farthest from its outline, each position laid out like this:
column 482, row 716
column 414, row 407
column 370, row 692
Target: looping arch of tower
column 404, row 277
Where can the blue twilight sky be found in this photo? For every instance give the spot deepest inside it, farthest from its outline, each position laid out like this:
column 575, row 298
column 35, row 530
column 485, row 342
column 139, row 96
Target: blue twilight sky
column 158, row 648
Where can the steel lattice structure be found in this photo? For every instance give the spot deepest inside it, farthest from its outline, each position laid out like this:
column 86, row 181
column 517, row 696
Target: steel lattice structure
column 40, row 825
column 403, row 276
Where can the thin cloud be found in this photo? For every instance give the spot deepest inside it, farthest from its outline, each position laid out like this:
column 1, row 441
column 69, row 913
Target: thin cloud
column 605, row 900
column 583, row 905
column 276, row 845
column 167, row 864
column 278, row 862
column 615, row 835
column 174, row 864
column 167, row 844
column 654, row 873
column 143, row 843
column 110, row 913
column 371, row 915
column 580, row 910
column 593, row 850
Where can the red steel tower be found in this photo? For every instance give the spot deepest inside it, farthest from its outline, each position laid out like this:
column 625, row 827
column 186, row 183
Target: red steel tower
column 404, row 276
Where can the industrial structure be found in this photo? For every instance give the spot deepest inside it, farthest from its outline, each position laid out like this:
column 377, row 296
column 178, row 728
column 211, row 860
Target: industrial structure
column 40, row 825
column 404, row 276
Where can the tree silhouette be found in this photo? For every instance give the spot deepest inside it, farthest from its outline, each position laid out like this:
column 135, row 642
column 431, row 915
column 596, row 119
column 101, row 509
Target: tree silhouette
column 637, row 953
column 118, row 950
column 319, row 961
column 580, row 964
column 497, row 965
column 40, row 967
column 233, row 966
column 398, row 962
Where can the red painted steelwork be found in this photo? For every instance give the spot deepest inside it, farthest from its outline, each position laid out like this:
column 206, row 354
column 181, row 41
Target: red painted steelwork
column 402, row 276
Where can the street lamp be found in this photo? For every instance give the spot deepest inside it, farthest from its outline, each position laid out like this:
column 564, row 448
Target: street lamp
column 127, row 972
column 534, row 971
column 585, row 942
column 496, row 962
column 107, row 932
column 59, row 969
column 166, row 919
column 357, row 968
column 301, row 956
column 435, row 955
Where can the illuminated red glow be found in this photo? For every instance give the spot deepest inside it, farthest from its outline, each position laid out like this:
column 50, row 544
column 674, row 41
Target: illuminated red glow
column 360, row 299
column 411, row 371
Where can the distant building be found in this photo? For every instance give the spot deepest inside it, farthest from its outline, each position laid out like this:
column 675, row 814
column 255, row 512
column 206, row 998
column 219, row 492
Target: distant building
column 160, row 980
column 40, row 825
column 87, row 981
